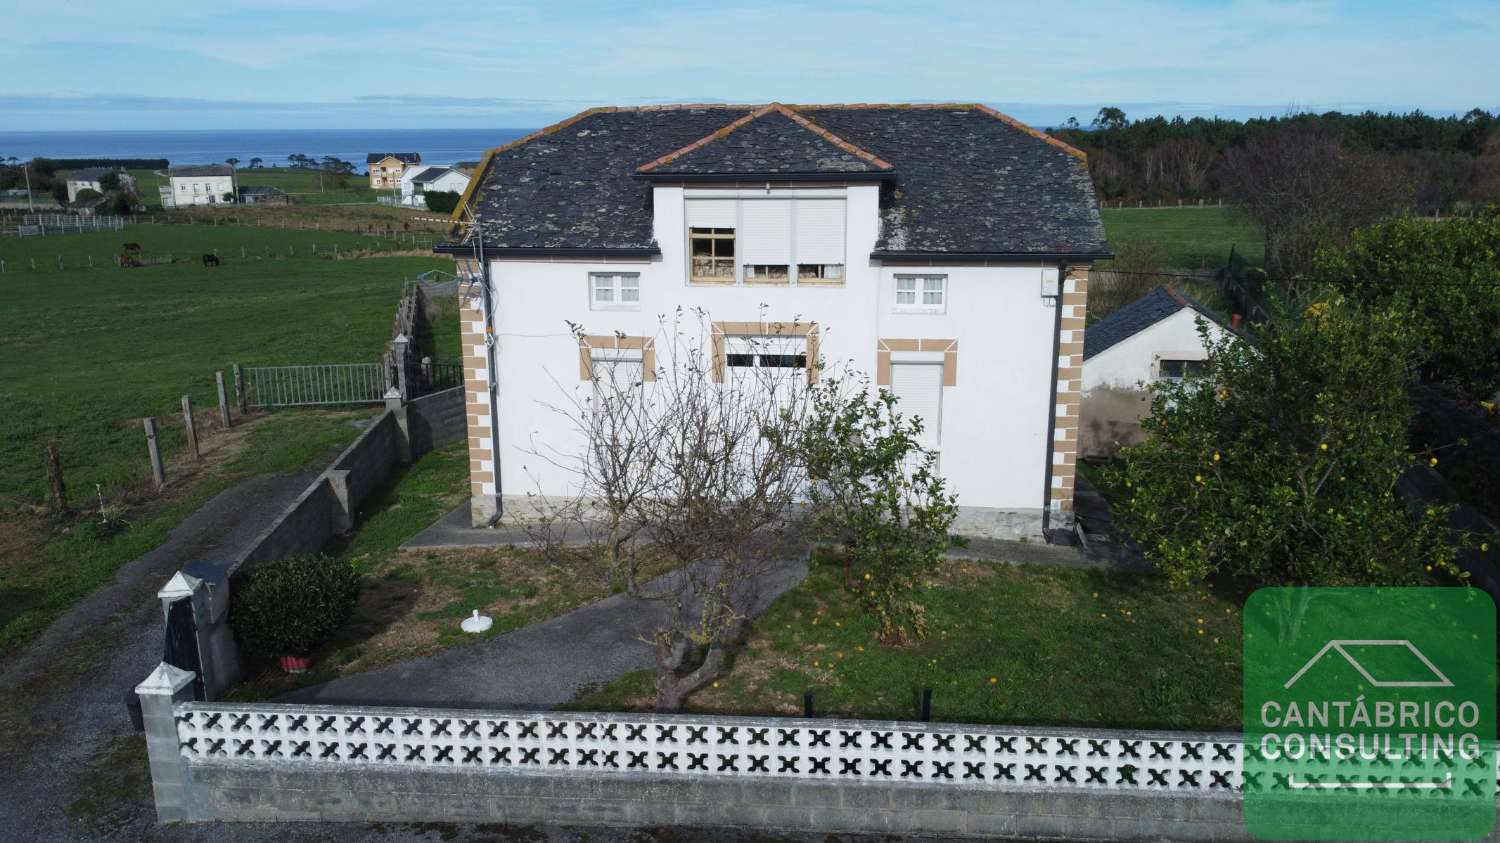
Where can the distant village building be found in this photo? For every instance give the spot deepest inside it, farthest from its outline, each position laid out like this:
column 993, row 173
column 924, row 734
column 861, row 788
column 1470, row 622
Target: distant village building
column 263, row 195
column 416, row 183
column 89, row 179
column 198, row 184
column 386, row 168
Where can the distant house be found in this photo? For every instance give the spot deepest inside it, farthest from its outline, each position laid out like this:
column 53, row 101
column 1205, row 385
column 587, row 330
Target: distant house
column 199, row 184
column 416, row 183
column 89, row 179
column 386, row 168
column 88, row 207
column 263, row 195
column 1153, row 338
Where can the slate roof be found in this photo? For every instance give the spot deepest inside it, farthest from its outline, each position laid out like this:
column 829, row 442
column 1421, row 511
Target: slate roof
column 430, row 174
column 89, row 173
column 964, row 180
column 773, row 140
column 195, row 170
column 1137, row 316
column 403, row 157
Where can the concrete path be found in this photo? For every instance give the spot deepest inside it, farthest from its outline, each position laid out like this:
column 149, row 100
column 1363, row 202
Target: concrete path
column 62, row 698
column 454, row 532
column 539, row 666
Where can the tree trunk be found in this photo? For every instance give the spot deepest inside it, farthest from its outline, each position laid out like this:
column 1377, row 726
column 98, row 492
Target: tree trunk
column 672, row 688
column 59, row 489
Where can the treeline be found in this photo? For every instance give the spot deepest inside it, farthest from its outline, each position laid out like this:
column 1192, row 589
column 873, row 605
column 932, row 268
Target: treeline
column 1447, row 163
column 81, row 163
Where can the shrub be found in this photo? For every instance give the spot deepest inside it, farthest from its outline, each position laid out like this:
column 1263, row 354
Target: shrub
column 285, row 608
column 1279, row 465
column 441, row 201
column 876, row 491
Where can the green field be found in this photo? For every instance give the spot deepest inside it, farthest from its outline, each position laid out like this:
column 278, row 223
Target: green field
column 305, row 186
column 89, row 352
column 1186, row 238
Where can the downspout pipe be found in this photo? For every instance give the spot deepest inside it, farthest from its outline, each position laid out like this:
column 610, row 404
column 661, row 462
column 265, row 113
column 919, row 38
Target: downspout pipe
column 1057, row 308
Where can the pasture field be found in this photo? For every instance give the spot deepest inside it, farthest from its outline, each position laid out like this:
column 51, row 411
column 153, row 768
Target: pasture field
column 90, row 352
column 1187, row 238
column 304, row 185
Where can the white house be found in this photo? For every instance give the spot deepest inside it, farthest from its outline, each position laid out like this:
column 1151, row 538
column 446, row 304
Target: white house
column 199, row 184
column 89, row 179
column 942, row 249
column 1154, row 337
column 416, row 182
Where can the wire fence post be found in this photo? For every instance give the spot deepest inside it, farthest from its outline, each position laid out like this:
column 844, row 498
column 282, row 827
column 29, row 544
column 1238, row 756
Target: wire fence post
column 153, row 447
column 189, row 427
column 55, row 483
column 239, row 388
column 223, row 400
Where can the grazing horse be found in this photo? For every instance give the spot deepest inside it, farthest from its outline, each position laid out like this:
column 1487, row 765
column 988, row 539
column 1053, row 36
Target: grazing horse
column 210, row 260
column 132, row 247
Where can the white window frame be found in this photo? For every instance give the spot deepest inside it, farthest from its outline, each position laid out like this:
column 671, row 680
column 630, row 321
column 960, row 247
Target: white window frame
column 617, row 288
column 920, row 290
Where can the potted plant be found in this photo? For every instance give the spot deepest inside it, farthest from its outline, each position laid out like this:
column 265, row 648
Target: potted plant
column 282, row 610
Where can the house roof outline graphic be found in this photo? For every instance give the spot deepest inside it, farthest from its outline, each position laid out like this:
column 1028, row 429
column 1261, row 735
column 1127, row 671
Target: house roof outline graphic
column 1338, row 645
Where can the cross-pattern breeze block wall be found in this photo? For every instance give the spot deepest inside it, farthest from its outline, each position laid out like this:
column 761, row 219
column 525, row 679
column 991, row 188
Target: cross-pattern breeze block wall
column 278, row 762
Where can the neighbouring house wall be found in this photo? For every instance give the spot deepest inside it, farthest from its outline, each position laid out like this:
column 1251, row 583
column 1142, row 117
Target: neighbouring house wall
column 200, row 190
column 1112, row 419
column 1132, row 361
column 1116, row 394
column 995, row 412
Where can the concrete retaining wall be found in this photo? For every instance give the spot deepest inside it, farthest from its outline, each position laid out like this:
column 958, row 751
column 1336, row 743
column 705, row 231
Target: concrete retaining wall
column 436, row 420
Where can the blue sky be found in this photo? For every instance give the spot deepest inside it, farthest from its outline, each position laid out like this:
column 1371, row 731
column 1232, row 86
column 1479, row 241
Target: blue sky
column 281, row 64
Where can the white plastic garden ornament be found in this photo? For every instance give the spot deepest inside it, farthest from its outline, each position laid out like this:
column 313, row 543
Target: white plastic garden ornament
column 477, row 623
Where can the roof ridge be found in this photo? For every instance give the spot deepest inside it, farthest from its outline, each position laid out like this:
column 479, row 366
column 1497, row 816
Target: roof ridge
column 758, row 113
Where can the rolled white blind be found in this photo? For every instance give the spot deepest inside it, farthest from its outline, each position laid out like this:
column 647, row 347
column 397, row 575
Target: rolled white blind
column 820, row 231
column 710, row 213
column 920, row 388
column 766, row 231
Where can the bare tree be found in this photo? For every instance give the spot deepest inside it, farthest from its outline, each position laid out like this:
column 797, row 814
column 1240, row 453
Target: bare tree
column 691, row 465
column 1308, row 191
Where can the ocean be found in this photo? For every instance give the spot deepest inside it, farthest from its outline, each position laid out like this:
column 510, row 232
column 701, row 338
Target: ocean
column 437, row 146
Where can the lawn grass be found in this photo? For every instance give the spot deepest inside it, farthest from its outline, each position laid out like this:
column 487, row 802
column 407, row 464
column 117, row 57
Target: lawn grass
column 1006, row 644
column 410, row 604
column 1187, row 238
column 49, row 563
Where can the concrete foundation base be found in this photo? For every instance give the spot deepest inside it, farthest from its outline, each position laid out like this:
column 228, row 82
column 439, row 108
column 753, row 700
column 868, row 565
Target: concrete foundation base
column 249, row 792
column 483, row 510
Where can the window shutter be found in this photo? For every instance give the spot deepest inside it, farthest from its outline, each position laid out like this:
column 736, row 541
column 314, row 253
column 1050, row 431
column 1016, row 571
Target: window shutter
column 710, row 213
column 766, row 233
column 920, row 388
column 820, row 231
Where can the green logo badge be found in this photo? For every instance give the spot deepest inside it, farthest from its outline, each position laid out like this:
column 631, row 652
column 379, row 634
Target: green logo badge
column 1369, row 714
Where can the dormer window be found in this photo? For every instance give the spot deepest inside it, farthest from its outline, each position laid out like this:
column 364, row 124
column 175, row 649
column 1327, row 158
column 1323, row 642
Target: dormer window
column 712, row 252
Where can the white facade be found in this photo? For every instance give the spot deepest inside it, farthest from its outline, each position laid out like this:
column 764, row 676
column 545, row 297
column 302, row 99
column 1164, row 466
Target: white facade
column 201, row 190
column 974, row 342
column 1136, row 361
column 78, row 185
column 412, row 192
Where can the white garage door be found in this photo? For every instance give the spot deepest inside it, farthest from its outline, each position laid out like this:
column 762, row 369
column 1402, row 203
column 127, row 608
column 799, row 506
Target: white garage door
column 919, row 386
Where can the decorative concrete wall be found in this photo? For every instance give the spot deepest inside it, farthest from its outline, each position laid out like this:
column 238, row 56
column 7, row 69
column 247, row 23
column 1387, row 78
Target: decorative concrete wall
column 286, row 762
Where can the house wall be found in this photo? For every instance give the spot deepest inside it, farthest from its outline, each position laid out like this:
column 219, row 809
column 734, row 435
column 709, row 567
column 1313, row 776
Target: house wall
column 76, row 187
column 1115, row 382
column 200, row 190
column 386, row 173
column 997, row 410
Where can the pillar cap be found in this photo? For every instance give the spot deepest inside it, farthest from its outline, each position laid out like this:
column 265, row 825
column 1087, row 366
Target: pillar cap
column 165, row 680
column 180, row 585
